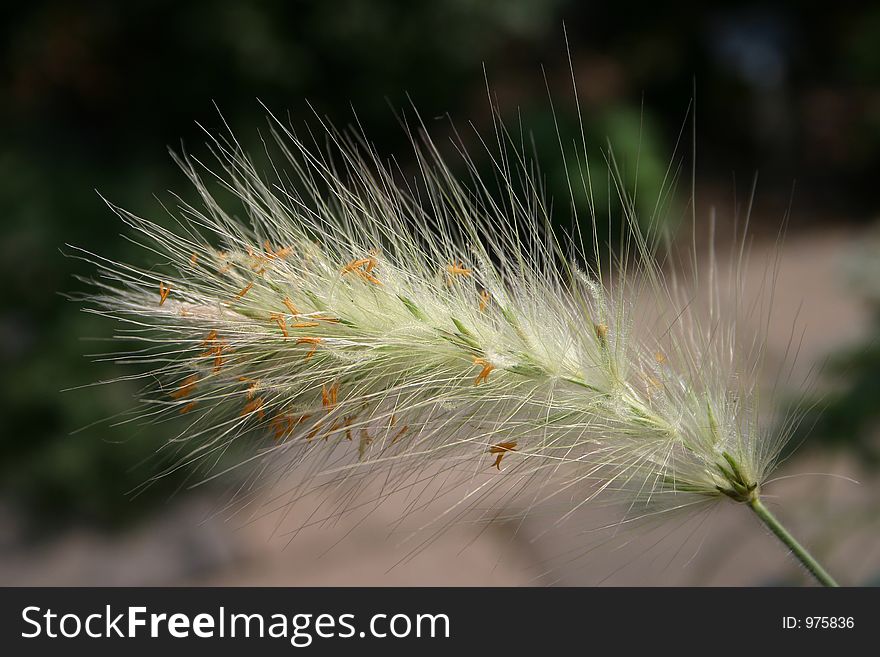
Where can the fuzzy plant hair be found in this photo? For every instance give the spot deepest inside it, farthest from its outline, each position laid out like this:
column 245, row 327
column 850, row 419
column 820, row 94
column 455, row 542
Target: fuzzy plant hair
column 338, row 312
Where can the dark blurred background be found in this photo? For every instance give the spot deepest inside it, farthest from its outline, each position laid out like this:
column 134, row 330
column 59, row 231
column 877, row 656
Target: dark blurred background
column 92, row 94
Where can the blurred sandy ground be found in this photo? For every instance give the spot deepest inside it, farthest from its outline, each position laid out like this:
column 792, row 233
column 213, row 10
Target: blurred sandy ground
column 183, row 543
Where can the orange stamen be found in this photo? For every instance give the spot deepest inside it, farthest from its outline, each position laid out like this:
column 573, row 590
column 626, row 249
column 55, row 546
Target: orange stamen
column 314, row 432
column 290, row 306
column 362, row 267
column 312, row 341
column 360, row 263
column 484, row 300
column 457, row 269
column 244, row 290
column 281, row 321
column 188, row 407
column 328, row 395
column 400, row 434
column 186, row 387
column 285, row 423
column 501, row 449
column 484, row 374
column 252, row 388
column 368, row 277
column 215, row 348
column 276, row 253
column 255, row 406
column 282, row 425
column 164, row 291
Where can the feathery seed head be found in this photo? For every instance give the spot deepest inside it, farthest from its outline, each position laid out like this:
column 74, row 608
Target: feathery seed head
column 364, row 322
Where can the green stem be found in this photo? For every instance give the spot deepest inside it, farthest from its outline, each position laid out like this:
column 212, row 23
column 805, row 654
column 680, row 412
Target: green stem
column 815, row 568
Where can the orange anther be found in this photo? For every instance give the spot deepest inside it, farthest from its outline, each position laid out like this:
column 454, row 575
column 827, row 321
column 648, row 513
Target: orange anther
column 400, row 434
column 484, row 299
column 194, row 259
column 290, row 306
column 252, row 388
column 314, row 432
column 500, row 450
column 369, row 277
column 304, row 325
column 483, row 377
column 282, row 424
column 215, row 349
column 254, row 406
column 371, row 262
column 360, row 263
column 164, row 291
column 362, row 267
column 312, row 341
column 188, row 407
column 186, row 387
column 244, row 290
column 328, row 395
column 281, row 321
column 271, row 253
column 457, row 269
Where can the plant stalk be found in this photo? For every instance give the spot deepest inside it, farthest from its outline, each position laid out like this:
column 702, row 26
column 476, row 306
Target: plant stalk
column 809, row 562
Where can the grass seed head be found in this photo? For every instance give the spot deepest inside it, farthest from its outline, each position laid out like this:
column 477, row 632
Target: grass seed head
column 366, row 327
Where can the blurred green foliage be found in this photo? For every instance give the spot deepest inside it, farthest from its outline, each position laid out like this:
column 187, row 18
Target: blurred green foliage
column 92, row 93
